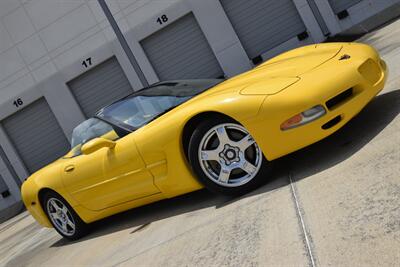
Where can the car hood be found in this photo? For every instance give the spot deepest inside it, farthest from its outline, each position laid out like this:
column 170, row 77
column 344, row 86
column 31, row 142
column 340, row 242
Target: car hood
column 282, row 71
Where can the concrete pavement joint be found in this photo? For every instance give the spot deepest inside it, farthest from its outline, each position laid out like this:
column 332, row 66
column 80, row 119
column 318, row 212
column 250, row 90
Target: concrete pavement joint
column 307, row 240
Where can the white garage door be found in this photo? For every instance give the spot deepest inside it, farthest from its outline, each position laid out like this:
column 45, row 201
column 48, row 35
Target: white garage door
column 340, row 5
column 181, row 51
column 100, row 86
column 36, row 135
column 264, row 24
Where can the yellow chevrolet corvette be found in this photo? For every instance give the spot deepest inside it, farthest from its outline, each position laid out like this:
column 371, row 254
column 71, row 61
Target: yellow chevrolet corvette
column 180, row 136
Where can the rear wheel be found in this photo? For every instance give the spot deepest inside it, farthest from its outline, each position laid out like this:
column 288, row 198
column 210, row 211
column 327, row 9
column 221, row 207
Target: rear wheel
column 63, row 218
column 225, row 157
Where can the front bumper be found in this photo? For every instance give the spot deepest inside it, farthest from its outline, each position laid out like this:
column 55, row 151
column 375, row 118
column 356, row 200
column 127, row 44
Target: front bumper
column 364, row 73
column 30, row 197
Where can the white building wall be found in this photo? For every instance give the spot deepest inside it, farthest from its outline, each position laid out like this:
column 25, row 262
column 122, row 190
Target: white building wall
column 43, row 44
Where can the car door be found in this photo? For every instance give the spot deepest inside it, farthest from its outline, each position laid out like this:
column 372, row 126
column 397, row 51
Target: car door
column 108, row 177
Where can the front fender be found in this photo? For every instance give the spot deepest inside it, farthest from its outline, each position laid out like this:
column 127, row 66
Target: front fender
column 30, row 197
column 48, row 178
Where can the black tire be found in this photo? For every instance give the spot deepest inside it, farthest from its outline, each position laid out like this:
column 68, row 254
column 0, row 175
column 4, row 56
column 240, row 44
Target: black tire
column 81, row 228
column 193, row 154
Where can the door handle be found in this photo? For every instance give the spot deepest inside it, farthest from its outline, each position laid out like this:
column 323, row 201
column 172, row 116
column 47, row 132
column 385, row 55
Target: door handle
column 69, row 168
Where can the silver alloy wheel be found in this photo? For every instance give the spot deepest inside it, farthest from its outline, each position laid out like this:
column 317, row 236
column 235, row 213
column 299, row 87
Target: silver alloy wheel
column 61, row 216
column 229, row 156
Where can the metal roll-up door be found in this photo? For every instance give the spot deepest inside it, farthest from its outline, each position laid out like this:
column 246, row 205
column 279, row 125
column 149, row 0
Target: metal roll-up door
column 264, row 24
column 3, row 186
column 36, row 135
column 100, row 86
column 181, row 51
column 341, row 5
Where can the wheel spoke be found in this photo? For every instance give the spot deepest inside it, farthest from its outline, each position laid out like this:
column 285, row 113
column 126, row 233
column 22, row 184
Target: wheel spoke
column 64, row 227
column 209, row 155
column 64, row 209
column 54, row 215
column 71, row 224
column 245, row 142
column 222, row 136
column 54, row 205
column 248, row 167
column 224, row 175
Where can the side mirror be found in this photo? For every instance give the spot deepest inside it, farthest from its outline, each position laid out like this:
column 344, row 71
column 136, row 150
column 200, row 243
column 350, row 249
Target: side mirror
column 96, row 144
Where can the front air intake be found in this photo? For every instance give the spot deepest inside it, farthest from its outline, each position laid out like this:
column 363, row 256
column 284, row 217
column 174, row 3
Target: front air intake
column 332, row 122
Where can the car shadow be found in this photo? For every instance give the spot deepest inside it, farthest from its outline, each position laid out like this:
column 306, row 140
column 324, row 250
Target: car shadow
column 303, row 163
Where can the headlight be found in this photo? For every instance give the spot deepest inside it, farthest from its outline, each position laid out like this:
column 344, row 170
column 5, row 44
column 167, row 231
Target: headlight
column 305, row 117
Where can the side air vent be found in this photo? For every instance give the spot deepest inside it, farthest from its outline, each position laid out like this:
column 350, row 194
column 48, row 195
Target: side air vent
column 339, row 99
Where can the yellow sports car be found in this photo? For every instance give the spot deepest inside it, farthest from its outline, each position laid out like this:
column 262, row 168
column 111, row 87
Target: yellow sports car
column 179, row 136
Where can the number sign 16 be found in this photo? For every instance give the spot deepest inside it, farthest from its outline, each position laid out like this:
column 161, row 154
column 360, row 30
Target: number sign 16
column 18, row 102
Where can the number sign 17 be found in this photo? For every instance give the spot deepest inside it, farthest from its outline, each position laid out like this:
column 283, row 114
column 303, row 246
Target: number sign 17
column 87, row 62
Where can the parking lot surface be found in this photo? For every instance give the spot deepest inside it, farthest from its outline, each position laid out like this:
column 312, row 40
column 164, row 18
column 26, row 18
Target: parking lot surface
column 335, row 203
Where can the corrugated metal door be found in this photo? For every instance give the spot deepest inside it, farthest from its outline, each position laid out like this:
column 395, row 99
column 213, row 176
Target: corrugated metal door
column 100, row 86
column 340, row 5
column 263, row 24
column 3, row 185
column 36, row 135
column 181, row 51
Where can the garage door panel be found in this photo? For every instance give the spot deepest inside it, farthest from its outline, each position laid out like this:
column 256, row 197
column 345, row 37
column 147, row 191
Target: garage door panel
column 163, row 57
column 118, row 85
column 181, row 51
column 3, row 185
column 100, row 86
column 36, row 135
column 184, row 63
column 275, row 39
column 242, row 14
column 180, row 36
column 204, row 69
column 263, row 24
column 340, row 5
column 99, row 79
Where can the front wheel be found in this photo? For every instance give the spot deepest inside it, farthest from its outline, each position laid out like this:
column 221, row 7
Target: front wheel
column 63, row 218
column 225, row 157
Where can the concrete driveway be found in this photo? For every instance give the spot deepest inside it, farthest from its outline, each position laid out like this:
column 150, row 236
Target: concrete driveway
column 335, row 203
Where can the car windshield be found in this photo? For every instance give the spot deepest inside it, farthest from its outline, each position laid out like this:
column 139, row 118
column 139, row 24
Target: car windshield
column 141, row 107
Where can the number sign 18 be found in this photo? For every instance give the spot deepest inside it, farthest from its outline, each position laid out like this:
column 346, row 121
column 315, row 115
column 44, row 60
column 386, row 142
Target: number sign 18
column 163, row 19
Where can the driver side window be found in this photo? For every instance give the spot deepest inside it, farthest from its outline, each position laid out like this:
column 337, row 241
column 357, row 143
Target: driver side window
column 88, row 130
